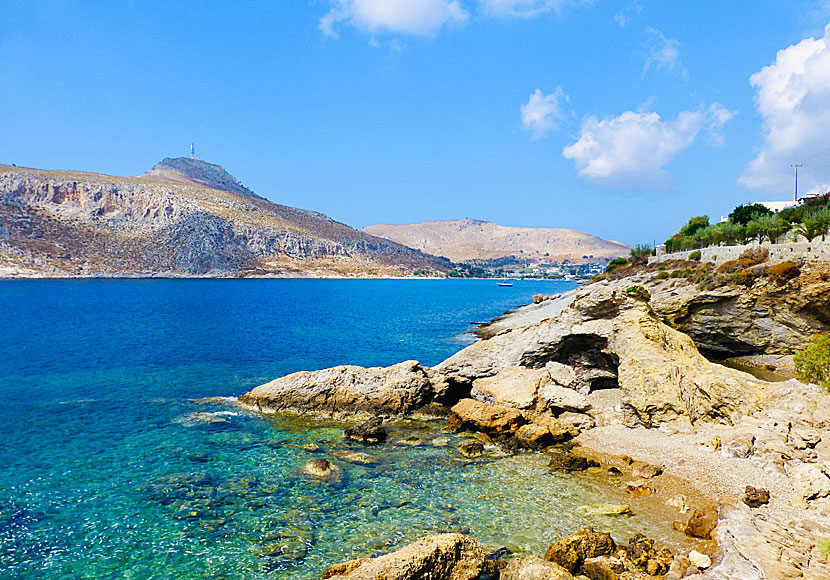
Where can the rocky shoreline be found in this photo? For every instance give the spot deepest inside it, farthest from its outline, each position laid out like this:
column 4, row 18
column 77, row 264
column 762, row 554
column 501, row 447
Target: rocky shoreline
column 603, row 377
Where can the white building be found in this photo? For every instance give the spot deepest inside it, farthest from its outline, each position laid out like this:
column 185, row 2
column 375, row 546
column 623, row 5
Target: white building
column 776, row 206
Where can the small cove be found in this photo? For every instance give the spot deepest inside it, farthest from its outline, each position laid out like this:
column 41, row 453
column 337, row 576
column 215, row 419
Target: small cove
column 110, row 474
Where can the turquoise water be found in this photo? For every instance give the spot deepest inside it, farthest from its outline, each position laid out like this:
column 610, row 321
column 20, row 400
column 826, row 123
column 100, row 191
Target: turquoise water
column 110, row 471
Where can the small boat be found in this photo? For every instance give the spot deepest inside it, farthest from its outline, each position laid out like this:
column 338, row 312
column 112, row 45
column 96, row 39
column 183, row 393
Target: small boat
column 505, row 283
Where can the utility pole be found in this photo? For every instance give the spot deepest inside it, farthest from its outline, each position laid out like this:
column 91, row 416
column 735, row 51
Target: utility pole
column 796, row 165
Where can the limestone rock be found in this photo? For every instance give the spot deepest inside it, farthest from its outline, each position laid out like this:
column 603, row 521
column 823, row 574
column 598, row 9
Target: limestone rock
column 534, row 436
column 513, row 387
column 645, row 470
column 554, row 396
column 740, row 444
column 336, row 391
column 809, row 480
column 526, row 389
column 444, row 556
column 491, row 419
column 701, row 523
column 702, row 561
column 572, row 551
column 608, row 339
column 343, row 568
column 569, row 462
column 370, row 431
column 322, row 469
column 601, row 568
column 533, row 568
column 575, row 423
column 607, row 509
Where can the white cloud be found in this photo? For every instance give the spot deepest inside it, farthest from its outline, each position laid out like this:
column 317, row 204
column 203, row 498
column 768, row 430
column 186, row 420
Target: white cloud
column 417, row 17
column 631, row 150
column 527, row 8
column 542, row 112
column 621, row 17
column 664, row 54
column 793, row 98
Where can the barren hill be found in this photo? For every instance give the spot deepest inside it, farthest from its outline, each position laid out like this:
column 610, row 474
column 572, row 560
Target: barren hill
column 184, row 217
column 468, row 239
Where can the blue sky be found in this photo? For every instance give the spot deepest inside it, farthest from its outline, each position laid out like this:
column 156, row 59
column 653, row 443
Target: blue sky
column 621, row 119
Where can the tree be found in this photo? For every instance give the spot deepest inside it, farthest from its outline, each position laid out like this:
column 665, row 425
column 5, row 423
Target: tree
column 743, row 214
column 770, row 226
column 696, row 223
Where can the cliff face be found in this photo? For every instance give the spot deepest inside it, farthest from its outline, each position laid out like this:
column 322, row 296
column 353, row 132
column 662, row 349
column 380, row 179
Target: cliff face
column 183, row 217
column 467, row 239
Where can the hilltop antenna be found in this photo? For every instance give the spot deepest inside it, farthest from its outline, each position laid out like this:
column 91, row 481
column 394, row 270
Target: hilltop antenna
column 192, row 152
column 796, row 165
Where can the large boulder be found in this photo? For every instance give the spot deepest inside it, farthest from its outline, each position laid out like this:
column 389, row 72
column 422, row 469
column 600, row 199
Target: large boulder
column 491, row 419
column 345, row 390
column 529, row 390
column 442, row 557
column 583, row 544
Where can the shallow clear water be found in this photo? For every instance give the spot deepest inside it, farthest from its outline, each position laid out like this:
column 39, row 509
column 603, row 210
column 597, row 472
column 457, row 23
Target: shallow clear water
column 108, row 473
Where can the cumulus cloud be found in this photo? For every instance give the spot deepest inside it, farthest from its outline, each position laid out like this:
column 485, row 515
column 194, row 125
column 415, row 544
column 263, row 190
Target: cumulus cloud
column 542, row 113
column 631, row 150
column 526, row 8
column 793, row 98
column 416, row 17
column 664, row 54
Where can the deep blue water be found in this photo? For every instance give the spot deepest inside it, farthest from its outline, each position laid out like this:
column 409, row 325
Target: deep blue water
column 106, row 470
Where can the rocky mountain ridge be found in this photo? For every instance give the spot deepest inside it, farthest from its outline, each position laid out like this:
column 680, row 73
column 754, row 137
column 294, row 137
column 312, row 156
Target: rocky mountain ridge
column 184, row 217
column 468, row 239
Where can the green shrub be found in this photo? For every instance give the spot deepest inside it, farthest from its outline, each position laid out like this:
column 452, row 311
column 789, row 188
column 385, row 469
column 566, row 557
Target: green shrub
column 615, row 263
column 743, row 278
column 638, row 292
column 813, row 363
column 784, row 271
column 662, row 275
column 695, row 256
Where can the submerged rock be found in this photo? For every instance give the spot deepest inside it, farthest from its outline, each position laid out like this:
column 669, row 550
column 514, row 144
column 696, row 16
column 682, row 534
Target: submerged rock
column 371, row 431
column 357, row 457
column 607, row 509
column 569, row 462
column 343, row 390
column 442, row 556
column 471, row 449
column 322, row 469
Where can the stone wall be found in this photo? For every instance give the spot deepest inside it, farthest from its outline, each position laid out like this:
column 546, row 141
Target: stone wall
column 811, row 251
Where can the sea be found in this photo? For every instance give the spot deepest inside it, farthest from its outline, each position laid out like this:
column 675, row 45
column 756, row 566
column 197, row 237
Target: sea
column 113, row 464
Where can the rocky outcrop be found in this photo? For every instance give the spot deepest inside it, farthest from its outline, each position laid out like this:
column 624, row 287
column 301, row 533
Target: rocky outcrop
column 769, row 316
column 442, row 557
column 345, row 390
column 604, row 338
